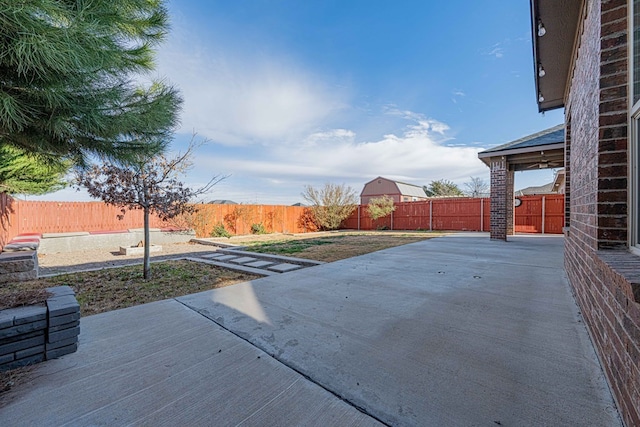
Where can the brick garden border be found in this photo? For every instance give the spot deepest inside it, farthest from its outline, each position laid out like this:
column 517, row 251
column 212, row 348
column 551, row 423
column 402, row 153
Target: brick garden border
column 36, row 333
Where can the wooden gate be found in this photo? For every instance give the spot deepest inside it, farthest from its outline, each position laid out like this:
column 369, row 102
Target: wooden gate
column 540, row 214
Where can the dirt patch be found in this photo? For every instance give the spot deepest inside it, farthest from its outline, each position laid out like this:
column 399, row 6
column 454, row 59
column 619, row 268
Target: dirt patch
column 12, row 299
column 63, row 262
column 114, row 288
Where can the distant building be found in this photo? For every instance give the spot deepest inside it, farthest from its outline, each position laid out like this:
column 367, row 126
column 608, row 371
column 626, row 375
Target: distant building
column 398, row 191
column 222, row 202
column 554, row 187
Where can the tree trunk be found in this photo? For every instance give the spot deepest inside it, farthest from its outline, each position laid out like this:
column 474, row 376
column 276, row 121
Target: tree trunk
column 147, row 262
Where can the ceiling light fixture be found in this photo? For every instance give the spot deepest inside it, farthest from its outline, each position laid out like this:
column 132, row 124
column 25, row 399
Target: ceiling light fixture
column 541, row 29
column 541, row 71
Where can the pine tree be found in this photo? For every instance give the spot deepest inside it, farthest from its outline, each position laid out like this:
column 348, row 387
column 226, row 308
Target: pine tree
column 67, row 70
column 22, row 173
column 442, row 188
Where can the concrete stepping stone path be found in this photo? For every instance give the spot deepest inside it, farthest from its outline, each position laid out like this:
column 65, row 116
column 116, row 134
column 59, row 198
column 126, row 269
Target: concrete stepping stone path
column 256, row 263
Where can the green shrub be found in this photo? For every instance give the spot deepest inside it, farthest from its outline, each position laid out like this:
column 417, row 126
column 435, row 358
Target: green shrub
column 258, row 229
column 380, row 207
column 220, row 231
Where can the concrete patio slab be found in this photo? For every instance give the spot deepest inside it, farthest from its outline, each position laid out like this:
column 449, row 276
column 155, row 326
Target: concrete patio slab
column 452, row 331
column 162, row 364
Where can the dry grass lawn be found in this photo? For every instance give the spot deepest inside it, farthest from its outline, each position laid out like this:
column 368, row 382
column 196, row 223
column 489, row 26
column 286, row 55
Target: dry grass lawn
column 114, row 288
column 336, row 246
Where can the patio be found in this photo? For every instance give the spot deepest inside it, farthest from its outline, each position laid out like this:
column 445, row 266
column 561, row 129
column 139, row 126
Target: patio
column 461, row 330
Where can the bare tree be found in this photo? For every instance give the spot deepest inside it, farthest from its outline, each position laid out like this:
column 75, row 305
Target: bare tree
column 477, row 187
column 331, row 204
column 150, row 184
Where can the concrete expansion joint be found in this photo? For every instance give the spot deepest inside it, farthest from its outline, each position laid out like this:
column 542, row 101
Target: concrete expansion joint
column 274, row 357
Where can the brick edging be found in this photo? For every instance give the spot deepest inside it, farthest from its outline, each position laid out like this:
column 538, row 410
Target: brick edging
column 36, row 333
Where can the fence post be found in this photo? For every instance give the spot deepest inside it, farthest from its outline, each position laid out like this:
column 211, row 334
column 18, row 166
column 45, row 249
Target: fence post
column 544, row 199
column 481, row 214
column 358, row 217
column 391, row 220
column 430, row 215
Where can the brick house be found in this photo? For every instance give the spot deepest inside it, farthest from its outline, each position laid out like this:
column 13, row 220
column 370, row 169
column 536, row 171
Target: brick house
column 398, row 191
column 587, row 60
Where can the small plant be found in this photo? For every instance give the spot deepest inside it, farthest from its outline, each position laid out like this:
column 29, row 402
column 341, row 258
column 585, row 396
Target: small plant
column 258, row 229
column 220, row 231
column 380, row 207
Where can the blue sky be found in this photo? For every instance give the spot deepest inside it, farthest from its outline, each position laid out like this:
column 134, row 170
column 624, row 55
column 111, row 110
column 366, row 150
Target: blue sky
column 292, row 93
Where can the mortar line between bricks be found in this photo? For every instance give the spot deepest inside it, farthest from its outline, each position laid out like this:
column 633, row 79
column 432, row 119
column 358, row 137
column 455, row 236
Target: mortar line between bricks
column 273, row 356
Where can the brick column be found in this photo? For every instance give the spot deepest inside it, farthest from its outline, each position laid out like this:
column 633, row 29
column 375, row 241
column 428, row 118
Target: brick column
column 510, row 220
column 499, row 184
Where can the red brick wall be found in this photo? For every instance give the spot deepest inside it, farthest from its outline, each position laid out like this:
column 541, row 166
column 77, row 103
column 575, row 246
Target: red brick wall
column 582, row 114
column 603, row 274
column 612, row 145
column 612, row 314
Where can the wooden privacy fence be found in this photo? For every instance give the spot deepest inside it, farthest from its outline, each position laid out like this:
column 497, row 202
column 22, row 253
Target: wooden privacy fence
column 20, row 217
column 540, row 214
column 536, row 214
column 238, row 219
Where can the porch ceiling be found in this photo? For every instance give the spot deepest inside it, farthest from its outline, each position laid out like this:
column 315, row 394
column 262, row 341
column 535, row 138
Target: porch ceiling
column 553, row 48
column 550, row 157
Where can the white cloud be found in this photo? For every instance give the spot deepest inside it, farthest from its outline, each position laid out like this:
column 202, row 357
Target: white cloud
column 419, row 154
column 457, row 93
column 330, row 135
column 240, row 98
column 498, row 49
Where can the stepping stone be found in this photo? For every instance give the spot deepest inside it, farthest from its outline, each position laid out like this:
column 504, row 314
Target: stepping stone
column 259, row 264
column 243, row 260
column 284, row 267
column 226, row 257
column 211, row 256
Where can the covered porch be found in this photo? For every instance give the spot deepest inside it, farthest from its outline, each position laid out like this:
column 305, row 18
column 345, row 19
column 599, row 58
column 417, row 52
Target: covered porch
column 541, row 150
